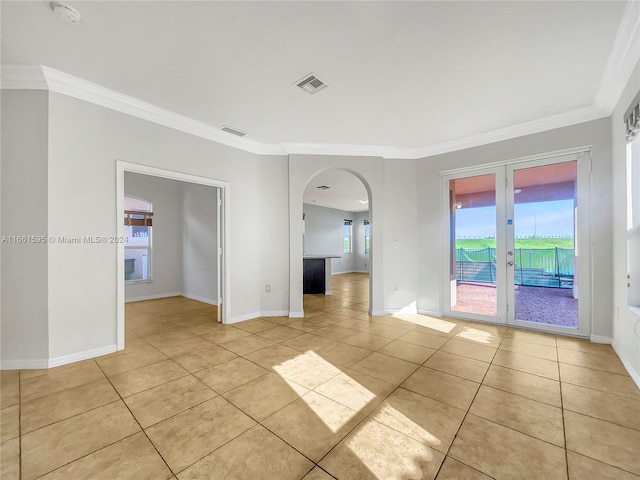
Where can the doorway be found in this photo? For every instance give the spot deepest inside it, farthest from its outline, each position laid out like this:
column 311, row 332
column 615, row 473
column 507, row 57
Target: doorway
column 517, row 237
column 196, row 195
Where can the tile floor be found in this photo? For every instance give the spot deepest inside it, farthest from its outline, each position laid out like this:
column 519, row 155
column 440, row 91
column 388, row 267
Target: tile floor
column 337, row 394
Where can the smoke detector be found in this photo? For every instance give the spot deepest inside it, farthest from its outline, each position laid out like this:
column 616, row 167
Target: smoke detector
column 65, row 12
column 310, row 84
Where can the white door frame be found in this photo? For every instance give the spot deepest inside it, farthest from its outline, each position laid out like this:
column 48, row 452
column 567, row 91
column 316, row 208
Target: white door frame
column 224, row 240
column 503, row 170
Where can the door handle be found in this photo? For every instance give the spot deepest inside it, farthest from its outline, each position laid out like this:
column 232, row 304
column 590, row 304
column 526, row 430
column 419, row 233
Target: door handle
column 510, row 263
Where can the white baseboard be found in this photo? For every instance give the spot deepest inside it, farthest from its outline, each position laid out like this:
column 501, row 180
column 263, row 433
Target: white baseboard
column 432, row 313
column 391, row 311
column 152, row 297
column 296, row 314
column 378, row 313
column 349, row 271
column 635, row 376
column 275, row 313
column 242, row 318
column 76, row 357
column 25, row 364
column 210, row 301
column 29, row 364
column 600, row 339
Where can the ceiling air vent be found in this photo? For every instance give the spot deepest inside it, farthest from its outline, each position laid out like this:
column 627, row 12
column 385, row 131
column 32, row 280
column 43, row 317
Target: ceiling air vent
column 323, row 187
column 233, row 131
column 311, row 84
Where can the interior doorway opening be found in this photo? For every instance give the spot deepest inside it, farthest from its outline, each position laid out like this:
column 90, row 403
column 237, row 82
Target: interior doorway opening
column 180, row 280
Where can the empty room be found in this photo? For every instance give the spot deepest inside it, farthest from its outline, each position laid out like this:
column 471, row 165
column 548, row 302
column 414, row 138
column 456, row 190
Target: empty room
column 320, row 240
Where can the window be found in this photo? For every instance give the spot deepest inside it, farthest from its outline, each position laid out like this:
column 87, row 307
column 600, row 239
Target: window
column 367, row 236
column 632, row 120
column 138, row 222
column 348, row 236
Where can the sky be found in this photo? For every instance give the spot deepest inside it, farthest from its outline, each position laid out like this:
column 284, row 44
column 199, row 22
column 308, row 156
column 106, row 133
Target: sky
column 542, row 219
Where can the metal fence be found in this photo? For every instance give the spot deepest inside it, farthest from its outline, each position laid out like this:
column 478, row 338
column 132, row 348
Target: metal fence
column 536, row 267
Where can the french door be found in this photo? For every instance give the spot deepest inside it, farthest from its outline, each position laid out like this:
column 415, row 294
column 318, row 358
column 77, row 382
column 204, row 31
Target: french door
column 518, row 244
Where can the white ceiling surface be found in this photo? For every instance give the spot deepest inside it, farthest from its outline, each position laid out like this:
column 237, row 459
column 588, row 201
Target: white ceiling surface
column 400, row 74
column 347, row 191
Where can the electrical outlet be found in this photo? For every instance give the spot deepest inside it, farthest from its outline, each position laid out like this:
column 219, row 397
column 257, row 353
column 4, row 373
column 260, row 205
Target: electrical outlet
column 267, row 288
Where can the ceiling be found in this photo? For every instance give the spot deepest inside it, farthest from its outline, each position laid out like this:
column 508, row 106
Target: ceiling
column 346, row 192
column 400, row 74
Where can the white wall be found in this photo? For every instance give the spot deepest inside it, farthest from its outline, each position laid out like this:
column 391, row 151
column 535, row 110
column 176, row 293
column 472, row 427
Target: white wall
column 199, row 215
column 166, row 235
column 324, row 235
column 625, row 322
column 597, row 135
column 24, row 326
column 79, row 281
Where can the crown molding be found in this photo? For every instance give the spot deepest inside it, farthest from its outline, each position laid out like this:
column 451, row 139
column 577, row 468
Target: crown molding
column 623, row 58
column 39, row 77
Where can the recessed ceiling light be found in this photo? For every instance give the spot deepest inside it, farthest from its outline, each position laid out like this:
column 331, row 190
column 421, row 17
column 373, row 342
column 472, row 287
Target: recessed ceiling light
column 65, row 12
column 233, row 131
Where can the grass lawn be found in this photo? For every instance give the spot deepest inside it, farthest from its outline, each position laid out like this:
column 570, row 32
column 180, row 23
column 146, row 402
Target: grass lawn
column 478, row 243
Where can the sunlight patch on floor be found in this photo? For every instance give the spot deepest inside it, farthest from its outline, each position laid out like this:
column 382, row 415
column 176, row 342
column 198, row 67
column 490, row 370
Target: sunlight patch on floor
column 477, row 336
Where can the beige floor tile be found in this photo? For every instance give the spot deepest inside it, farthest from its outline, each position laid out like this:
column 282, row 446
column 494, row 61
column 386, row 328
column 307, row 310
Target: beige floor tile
column 443, row 327
column 51, row 447
column 307, row 369
column 407, row 351
column 531, row 349
column 161, row 402
column 426, row 420
column 272, row 356
column 280, row 333
column 9, row 388
column 390, row 369
column 317, row 474
column 10, row 459
column 367, row 340
column 309, row 324
column 597, row 361
column 226, row 335
column 604, row 441
column 529, row 336
column 455, row 391
column 524, row 384
column 206, row 328
column 255, row 326
column 477, row 351
column 342, row 355
column 605, row 406
column 582, row 345
column 143, row 378
column 270, row 459
column 598, row 380
column 265, row 395
column 167, row 338
column 189, row 436
column 208, row 357
column 388, row 331
column 234, row 373
column 477, row 336
column 585, row 468
column 129, row 361
column 356, row 390
column 519, row 413
column 527, row 364
column 182, row 347
column 375, row 451
column 313, row 424
column 457, row 365
column 9, row 423
column 66, row 403
column 245, row 345
column 132, row 458
column 308, row 341
column 454, row 470
column 424, row 339
column 506, row 454
column 56, row 381
column 335, row 333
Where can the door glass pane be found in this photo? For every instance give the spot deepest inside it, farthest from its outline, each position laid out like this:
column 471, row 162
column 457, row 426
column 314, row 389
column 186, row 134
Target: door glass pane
column 473, row 244
column 546, row 280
